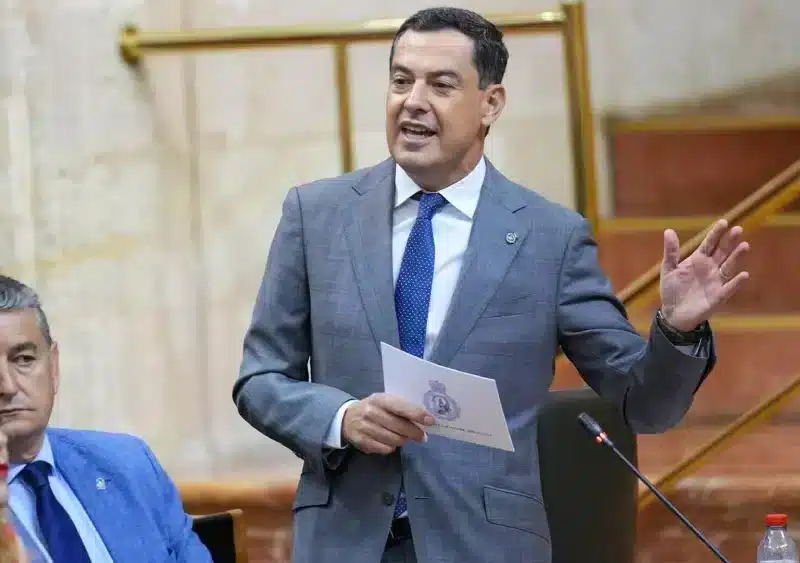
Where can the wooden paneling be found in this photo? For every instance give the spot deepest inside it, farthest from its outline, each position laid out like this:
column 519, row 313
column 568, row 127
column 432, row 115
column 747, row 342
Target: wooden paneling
column 683, row 172
column 209, row 497
column 774, row 265
column 751, row 366
column 727, row 499
column 267, row 512
column 729, row 511
column 771, row 449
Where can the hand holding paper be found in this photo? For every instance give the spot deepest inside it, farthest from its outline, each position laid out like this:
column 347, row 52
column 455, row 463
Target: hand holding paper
column 381, row 423
column 466, row 407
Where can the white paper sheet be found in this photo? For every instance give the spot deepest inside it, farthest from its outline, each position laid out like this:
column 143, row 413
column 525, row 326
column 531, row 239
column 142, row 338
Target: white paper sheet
column 466, row 407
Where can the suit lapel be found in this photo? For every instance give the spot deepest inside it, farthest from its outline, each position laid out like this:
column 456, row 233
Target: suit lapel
column 369, row 239
column 496, row 237
column 94, row 484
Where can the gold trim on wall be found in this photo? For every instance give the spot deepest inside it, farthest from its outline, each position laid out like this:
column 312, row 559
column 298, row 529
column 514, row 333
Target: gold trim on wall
column 698, row 222
column 701, row 123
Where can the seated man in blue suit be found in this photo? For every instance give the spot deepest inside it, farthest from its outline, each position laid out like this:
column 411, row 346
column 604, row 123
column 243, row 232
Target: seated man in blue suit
column 77, row 496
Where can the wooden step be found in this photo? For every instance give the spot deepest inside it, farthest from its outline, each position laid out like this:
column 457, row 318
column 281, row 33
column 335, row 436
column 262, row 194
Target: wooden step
column 696, row 166
column 629, row 247
column 770, row 449
column 727, row 499
column 754, row 361
column 729, row 511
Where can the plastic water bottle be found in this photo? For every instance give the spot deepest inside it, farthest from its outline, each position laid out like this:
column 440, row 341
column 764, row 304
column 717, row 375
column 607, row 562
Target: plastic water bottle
column 777, row 545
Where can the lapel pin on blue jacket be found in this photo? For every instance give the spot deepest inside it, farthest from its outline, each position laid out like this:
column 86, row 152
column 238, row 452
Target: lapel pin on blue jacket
column 511, row 238
column 100, row 483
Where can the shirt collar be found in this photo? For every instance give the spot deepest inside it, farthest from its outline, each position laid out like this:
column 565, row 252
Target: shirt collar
column 45, row 454
column 463, row 195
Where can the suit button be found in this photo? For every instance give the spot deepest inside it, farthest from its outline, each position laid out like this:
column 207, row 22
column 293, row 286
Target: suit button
column 388, row 499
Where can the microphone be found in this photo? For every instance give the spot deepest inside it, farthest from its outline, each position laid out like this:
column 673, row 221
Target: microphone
column 599, row 435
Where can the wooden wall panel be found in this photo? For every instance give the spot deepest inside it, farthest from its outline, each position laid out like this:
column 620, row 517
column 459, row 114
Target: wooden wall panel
column 751, row 365
column 267, row 511
column 729, row 511
column 754, row 453
column 680, row 173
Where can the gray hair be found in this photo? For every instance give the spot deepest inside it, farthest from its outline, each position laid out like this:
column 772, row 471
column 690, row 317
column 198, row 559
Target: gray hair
column 16, row 296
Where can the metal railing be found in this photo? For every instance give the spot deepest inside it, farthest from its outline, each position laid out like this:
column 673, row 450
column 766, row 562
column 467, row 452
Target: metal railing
column 569, row 20
column 751, row 212
column 747, row 422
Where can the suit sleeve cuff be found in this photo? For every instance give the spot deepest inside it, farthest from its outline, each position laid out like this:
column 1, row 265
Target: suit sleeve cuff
column 333, row 438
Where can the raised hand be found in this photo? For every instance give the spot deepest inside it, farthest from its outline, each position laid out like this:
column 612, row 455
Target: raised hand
column 692, row 290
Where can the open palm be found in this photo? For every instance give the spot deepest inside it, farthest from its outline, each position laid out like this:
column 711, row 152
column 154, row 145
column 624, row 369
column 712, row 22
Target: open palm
column 693, row 289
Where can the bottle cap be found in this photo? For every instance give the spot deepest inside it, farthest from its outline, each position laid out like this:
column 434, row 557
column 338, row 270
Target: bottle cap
column 777, row 519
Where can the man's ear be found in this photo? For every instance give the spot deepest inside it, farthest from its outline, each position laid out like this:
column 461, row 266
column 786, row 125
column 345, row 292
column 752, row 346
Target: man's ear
column 494, row 100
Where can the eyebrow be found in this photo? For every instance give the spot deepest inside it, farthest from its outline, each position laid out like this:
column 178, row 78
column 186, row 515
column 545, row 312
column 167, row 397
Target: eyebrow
column 22, row 347
column 439, row 73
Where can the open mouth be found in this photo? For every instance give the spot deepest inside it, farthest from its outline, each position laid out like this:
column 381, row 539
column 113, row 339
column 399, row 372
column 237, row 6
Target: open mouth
column 416, row 132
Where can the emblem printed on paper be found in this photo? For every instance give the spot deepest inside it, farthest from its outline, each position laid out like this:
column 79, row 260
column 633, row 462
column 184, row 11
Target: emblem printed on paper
column 439, row 403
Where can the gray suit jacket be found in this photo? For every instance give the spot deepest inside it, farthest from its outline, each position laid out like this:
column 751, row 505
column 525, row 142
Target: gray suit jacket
column 327, row 295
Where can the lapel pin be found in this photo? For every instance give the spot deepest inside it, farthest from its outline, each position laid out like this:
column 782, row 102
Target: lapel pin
column 101, row 484
column 511, row 238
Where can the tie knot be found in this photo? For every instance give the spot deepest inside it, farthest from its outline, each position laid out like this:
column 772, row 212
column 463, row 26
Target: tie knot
column 35, row 474
column 429, row 204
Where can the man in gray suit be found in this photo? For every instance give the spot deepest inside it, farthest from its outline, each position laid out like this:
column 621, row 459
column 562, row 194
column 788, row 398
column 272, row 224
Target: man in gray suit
column 434, row 251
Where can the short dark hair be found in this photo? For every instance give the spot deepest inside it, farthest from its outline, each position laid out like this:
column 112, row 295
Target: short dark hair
column 490, row 55
column 16, row 296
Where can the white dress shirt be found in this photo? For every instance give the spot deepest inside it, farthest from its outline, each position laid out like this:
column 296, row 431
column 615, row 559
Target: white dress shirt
column 22, row 502
column 452, row 226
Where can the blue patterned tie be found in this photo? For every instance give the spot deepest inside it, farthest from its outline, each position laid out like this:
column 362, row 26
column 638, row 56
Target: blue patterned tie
column 412, row 293
column 60, row 534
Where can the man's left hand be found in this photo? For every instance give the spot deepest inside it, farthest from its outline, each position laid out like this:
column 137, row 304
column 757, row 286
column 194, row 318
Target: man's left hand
column 692, row 290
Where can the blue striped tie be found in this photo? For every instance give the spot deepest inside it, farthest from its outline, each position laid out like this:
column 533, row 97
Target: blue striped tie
column 412, row 293
column 60, row 534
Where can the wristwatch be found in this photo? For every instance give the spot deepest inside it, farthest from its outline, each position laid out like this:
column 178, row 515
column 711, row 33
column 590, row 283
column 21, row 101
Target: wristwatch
column 679, row 337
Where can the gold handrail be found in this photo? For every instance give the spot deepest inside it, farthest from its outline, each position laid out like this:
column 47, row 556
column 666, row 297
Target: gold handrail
column 742, row 425
column 753, row 210
column 133, row 43
column 771, row 198
column 569, row 20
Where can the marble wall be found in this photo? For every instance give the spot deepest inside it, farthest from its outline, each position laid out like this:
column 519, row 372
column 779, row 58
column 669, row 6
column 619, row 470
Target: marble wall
column 141, row 203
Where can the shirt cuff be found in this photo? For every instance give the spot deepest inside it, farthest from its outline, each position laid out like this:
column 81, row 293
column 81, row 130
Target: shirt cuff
column 333, row 439
column 698, row 350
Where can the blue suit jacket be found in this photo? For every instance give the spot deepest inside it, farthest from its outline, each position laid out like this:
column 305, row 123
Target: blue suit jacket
column 138, row 512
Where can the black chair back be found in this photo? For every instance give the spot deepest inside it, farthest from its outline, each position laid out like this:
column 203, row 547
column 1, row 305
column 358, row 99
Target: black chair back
column 589, row 494
column 222, row 535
